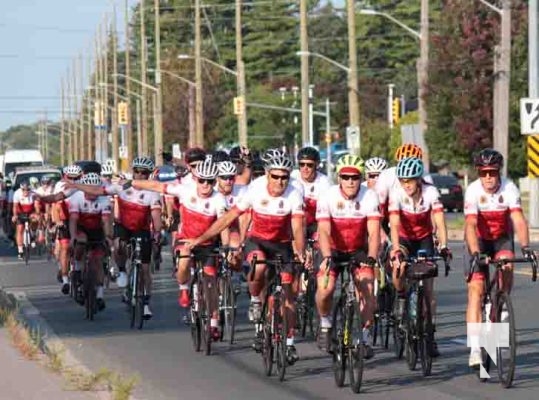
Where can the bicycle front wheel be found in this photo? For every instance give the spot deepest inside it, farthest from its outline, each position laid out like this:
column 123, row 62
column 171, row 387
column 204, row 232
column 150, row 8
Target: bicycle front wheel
column 425, row 335
column 355, row 346
column 280, row 337
column 506, row 356
column 338, row 348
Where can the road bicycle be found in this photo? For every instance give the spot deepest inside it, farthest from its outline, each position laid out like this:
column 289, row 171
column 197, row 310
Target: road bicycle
column 135, row 287
column 228, row 294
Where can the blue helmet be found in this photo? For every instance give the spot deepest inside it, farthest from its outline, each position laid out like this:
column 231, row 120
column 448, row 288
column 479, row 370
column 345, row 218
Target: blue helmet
column 165, row 173
column 410, row 168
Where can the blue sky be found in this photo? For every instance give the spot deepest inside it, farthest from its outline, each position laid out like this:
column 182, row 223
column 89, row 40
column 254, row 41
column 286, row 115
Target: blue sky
column 40, row 39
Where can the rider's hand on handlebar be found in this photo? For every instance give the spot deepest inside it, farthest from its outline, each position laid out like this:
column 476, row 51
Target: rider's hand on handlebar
column 527, row 252
column 446, row 254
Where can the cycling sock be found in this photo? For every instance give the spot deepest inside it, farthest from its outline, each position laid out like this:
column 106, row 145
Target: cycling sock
column 474, row 341
column 183, row 286
column 325, row 322
column 290, row 341
column 20, row 248
column 214, row 323
column 255, row 299
column 99, row 293
column 65, row 279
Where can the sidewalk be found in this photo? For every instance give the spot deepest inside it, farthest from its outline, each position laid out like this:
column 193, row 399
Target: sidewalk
column 23, row 379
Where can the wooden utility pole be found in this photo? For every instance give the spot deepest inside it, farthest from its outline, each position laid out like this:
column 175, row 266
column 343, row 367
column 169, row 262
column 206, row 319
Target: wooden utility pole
column 240, row 70
column 128, row 84
column 143, row 78
column 82, row 130
column 199, row 116
column 115, row 129
column 90, row 132
column 304, row 47
column 423, row 71
column 75, row 112
column 105, row 105
column 62, row 122
column 502, row 86
column 353, row 100
column 70, row 118
column 158, row 139
column 192, row 119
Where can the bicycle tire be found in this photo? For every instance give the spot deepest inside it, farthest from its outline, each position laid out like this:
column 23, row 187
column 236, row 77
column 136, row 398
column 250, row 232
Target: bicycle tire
column 132, row 288
column 485, row 358
column 281, row 336
column 231, row 315
column 311, row 304
column 268, row 350
column 411, row 339
column 301, row 316
column 195, row 321
column 89, row 293
column 356, row 348
column 26, row 251
column 424, row 335
column 206, row 319
column 506, row 369
column 140, row 299
column 337, row 344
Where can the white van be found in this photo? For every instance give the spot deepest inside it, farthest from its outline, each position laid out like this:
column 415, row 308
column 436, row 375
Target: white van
column 20, row 158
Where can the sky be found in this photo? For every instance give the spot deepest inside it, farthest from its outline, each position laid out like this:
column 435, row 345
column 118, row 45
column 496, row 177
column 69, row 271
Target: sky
column 40, row 39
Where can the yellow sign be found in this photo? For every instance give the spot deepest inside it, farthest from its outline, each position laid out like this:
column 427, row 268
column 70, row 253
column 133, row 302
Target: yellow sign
column 239, row 105
column 533, row 156
column 396, row 111
column 122, row 113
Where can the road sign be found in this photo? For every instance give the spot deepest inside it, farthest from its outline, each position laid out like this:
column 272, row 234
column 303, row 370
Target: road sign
column 352, row 137
column 529, row 116
column 122, row 113
column 176, row 151
column 122, row 152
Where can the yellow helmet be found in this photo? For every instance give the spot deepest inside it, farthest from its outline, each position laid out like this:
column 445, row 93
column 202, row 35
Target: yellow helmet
column 350, row 164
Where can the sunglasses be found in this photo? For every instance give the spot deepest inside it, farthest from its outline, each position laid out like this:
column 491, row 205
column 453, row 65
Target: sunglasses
column 372, row 176
column 406, row 180
column 308, row 165
column 141, row 171
column 280, row 177
column 208, row 181
column 489, row 172
column 227, row 177
column 350, row 177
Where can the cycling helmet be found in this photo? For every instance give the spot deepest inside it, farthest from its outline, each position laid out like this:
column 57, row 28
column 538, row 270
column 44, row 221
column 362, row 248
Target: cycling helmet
column 45, row 179
column 106, row 170
column 279, row 162
column 220, row 156
column 165, row 173
column 226, row 168
column 143, row 163
column 207, row 169
column 270, row 153
column 350, row 164
column 488, row 158
column 309, row 153
column 408, row 150
column 194, row 154
column 239, row 154
column 25, row 185
column 73, row 171
column 91, row 179
column 33, row 181
column 375, row 165
column 410, row 168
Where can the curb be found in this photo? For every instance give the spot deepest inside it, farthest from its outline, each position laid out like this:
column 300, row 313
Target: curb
column 31, row 317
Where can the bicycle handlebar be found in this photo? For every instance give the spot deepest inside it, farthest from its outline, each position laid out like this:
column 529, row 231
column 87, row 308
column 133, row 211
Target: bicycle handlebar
column 517, row 260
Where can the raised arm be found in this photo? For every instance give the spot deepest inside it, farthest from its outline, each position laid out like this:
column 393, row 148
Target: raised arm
column 154, row 186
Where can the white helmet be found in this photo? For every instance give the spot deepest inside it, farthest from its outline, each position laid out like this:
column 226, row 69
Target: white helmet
column 73, row 171
column 106, row 170
column 279, row 162
column 143, row 163
column 375, row 165
column 270, row 153
column 226, row 168
column 206, row 169
column 91, row 178
column 33, row 181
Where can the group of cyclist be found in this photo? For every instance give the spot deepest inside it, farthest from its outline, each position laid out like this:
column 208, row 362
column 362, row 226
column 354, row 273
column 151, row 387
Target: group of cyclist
column 262, row 207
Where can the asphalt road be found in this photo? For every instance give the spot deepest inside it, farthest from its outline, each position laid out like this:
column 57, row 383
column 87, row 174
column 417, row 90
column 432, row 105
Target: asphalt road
column 163, row 357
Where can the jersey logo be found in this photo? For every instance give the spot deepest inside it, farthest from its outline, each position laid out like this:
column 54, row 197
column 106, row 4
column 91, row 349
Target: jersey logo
column 193, row 200
column 340, row 205
column 129, row 192
column 141, row 196
column 281, row 204
column 500, row 199
column 312, row 189
column 482, row 200
column 207, row 205
column 406, row 200
column 264, row 203
column 96, row 206
column 357, row 205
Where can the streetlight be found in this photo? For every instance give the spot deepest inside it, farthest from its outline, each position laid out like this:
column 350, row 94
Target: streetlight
column 217, row 65
column 368, row 11
column 323, row 57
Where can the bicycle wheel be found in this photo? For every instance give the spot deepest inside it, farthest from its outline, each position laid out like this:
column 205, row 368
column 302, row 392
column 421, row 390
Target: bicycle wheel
column 280, row 337
column 411, row 338
column 506, row 356
column 140, row 299
column 424, row 335
column 337, row 343
column 485, row 358
column 267, row 348
column 301, row 315
column 195, row 320
column 89, row 293
column 355, row 346
column 206, row 320
column 230, row 312
column 26, row 252
column 311, row 304
column 132, row 294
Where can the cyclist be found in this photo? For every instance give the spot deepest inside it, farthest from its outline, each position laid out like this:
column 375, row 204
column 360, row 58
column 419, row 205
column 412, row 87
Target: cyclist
column 277, row 217
column 373, row 168
column 106, row 174
column 349, row 231
column 89, row 221
column 200, row 206
column 25, row 208
column 241, row 156
column 413, row 207
column 137, row 210
column 46, row 188
column 493, row 213
column 60, row 213
column 193, row 157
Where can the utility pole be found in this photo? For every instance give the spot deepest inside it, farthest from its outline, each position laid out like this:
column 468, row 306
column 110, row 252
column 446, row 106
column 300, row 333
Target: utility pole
column 304, row 47
column 105, row 105
column 192, row 119
column 240, row 69
column 143, row 78
column 91, row 136
column 390, row 105
column 69, row 101
column 62, row 122
column 115, row 130
column 76, row 110
column 311, row 109
column 158, row 139
column 199, row 117
column 353, row 100
column 81, row 111
column 128, row 84
column 423, row 74
column 533, row 93
column 46, row 136
column 96, row 100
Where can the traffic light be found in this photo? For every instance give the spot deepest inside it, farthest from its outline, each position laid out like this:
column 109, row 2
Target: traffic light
column 239, row 104
column 396, row 111
column 122, row 113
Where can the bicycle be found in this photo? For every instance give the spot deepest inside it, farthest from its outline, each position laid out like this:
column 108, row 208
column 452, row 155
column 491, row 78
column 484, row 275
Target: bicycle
column 492, row 308
column 135, row 286
column 273, row 324
column 416, row 328
column 305, row 304
column 26, row 239
column 384, row 319
column 347, row 346
column 228, row 294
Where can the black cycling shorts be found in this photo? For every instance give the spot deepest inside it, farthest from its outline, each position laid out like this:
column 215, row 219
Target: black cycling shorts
column 411, row 247
column 125, row 235
column 492, row 247
column 270, row 250
column 96, row 237
column 62, row 231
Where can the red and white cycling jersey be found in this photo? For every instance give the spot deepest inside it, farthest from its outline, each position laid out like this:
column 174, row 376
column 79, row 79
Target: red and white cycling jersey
column 197, row 213
column 271, row 216
column 24, row 203
column 45, row 190
column 415, row 219
column 311, row 193
column 387, row 181
column 63, row 205
column 90, row 211
column 237, row 192
column 348, row 217
column 492, row 210
column 135, row 206
column 189, row 180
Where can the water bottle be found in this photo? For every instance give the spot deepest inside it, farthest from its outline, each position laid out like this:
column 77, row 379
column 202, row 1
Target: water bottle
column 195, row 296
column 412, row 304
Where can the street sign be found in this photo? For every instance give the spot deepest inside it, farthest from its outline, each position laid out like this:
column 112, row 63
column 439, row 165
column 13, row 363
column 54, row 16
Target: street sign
column 529, row 116
column 122, row 113
column 122, row 152
column 176, row 151
column 352, row 137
